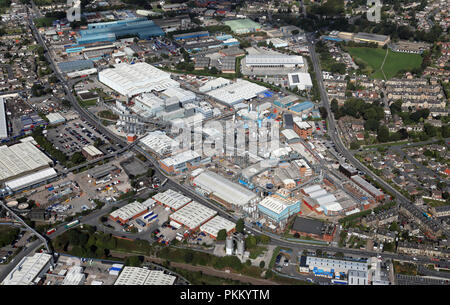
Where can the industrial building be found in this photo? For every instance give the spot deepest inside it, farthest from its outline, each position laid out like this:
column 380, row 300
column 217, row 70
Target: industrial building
column 141, row 276
column 148, row 105
column 381, row 40
column 55, row 118
column 131, row 211
column 130, row 80
column 313, row 228
column 181, row 162
column 75, row 65
column 273, row 61
column 302, row 108
column 243, row 26
column 213, row 226
column 376, row 193
column 300, row 80
column 320, row 200
column 29, row 271
column 183, row 96
column 91, row 152
column 160, row 143
column 99, row 172
column 190, row 35
column 214, row 84
column 224, row 190
column 23, row 165
column 192, row 216
column 171, row 199
column 110, row 31
column 303, row 129
column 278, row 209
column 3, row 122
column 74, row 276
column 328, row 267
column 236, row 92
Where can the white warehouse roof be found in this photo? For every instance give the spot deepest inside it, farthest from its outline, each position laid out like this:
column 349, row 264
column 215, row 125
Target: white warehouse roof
column 273, row 59
column 275, row 204
column 237, row 92
column 28, row 269
column 55, row 118
column 193, row 215
column 214, row 84
column 20, row 159
column 159, row 142
column 216, row 224
column 31, row 179
column 308, row 190
column 224, row 189
column 128, row 211
column 141, row 276
column 181, row 94
column 180, row 158
column 134, row 79
column 172, row 199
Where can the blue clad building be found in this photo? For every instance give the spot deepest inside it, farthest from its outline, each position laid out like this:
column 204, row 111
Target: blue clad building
column 302, row 107
column 278, row 209
column 110, row 31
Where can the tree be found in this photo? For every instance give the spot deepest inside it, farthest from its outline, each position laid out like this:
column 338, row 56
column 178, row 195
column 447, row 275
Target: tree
column 134, row 261
column 188, row 257
column 222, row 234
column 334, row 106
column 323, row 112
column 383, row 134
column 240, row 225
column 354, row 145
column 372, row 125
column 77, row 158
column 262, row 264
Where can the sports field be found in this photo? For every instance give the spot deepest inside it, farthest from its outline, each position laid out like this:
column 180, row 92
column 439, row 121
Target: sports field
column 395, row 61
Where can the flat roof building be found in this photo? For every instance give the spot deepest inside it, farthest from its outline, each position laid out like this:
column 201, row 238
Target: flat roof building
column 3, row 124
column 28, row 270
column 21, row 159
column 278, row 209
column 55, row 118
column 193, row 215
column 236, row 92
column 75, row 65
column 141, row 276
column 224, row 190
column 91, row 152
column 213, row 226
column 172, row 199
column 273, row 61
column 130, row 80
column 243, row 26
column 381, row 40
column 160, row 143
column 181, row 162
column 300, row 80
column 131, row 211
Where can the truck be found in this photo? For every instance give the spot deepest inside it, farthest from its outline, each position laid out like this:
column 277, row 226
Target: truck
column 49, row 232
column 72, row 224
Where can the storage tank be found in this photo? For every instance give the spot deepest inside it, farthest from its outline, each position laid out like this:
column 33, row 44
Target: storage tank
column 23, row 206
column 12, row 204
column 229, row 245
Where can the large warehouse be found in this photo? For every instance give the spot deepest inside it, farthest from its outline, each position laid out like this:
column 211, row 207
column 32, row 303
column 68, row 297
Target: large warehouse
column 243, row 26
column 273, row 61
column 130, row 80
column 321, row 201
column 237, row 92
column 223, row 190
column 216, row 224
column 131, row 211
column 160, row 143
column 141, row 276
column 3, row 124
column 172, row 199
column 28, row 270
column 23, row 165
column 192, row 215
column 278, row 209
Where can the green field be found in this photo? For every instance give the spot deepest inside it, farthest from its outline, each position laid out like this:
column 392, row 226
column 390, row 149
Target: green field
column 395, row 61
